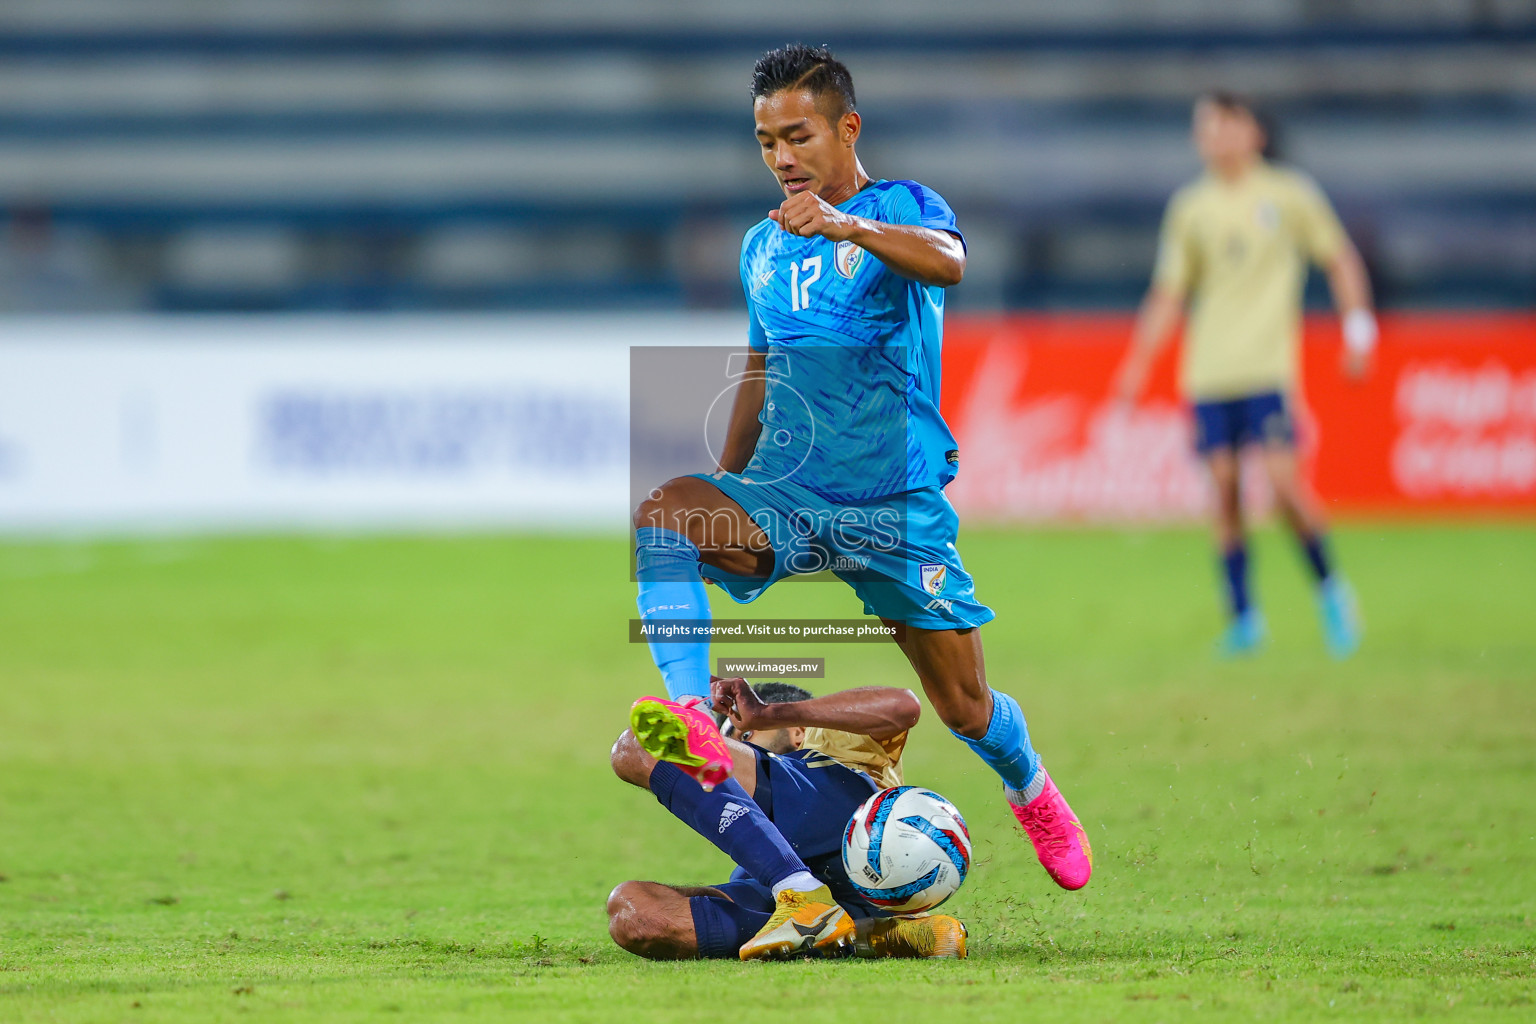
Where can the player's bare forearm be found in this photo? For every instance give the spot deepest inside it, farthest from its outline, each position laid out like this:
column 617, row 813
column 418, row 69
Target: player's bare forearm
column 1349, row 282
column 925, row 255
column 1351, row 287
column 741, row 434
column 1159, row 314
column 879, row 712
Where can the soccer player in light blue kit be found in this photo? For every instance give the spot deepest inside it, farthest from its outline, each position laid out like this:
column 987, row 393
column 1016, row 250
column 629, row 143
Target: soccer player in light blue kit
column 836, row 458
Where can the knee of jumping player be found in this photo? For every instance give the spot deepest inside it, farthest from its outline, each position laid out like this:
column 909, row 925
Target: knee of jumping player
column 659, row 507
column 641, row 924
column 968, row 715
column 629, row 762
column 652, row 510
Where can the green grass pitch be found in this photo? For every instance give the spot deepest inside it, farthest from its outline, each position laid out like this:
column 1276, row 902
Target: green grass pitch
column 300, row 779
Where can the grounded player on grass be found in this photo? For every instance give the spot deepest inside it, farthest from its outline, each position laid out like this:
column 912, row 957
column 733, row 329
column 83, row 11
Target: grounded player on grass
column 835, row 435
column 1235, row 247
column 807, row 763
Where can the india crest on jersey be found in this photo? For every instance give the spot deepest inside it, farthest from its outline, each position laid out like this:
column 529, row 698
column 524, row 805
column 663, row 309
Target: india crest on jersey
column 847, row 257
column 934, row 578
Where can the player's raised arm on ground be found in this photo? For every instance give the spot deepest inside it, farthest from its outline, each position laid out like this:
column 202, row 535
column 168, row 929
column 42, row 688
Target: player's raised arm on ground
column 926, row 255
column 741, row 434
column 879, row 712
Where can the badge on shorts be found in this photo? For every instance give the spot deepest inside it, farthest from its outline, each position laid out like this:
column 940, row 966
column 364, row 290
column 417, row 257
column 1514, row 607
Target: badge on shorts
column 847, row 257
column 934, row 578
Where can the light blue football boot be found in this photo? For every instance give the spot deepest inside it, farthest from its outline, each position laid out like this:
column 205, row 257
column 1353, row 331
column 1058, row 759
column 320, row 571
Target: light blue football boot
column 1244, row 636
column 1340, row 614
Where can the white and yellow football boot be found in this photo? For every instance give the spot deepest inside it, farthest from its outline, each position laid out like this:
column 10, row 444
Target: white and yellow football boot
column 803, row 924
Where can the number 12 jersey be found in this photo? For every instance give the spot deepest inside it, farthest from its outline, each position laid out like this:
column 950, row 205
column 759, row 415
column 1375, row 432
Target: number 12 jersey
column 851, row 406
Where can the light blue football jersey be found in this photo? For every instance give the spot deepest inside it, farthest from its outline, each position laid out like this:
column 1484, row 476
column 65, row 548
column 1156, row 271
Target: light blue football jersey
column 851, row 409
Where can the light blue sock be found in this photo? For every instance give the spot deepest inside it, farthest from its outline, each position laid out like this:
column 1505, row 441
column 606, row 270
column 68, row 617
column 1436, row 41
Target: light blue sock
column 667, row 567
column 1006, row 747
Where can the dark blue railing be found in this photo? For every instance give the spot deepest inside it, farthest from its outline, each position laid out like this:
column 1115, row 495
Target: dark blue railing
column 1494, row 113
column 670, row 41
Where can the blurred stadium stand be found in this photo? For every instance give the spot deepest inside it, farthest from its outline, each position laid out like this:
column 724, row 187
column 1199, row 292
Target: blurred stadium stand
column 475, row 154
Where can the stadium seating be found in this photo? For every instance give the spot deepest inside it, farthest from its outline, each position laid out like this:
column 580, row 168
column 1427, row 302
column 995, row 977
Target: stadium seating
column 175, row 154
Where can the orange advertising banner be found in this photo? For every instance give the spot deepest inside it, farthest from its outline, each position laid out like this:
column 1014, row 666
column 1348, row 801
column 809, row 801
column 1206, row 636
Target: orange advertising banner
column 1445, row 422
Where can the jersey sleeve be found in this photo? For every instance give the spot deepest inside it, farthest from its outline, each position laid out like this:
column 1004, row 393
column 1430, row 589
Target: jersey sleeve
column 1318, row 226
column 1177, row 266
column 757, row 338
column 894, row 747
column 879, row 759
column 908, row 202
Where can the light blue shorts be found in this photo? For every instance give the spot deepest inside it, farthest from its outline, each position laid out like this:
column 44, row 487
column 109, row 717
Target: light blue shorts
column 898, row 552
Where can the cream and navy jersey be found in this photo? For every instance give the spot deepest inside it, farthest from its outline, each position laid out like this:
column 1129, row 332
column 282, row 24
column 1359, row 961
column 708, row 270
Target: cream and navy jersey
column 878, row 759
column 851, row 409
column 1240, row 251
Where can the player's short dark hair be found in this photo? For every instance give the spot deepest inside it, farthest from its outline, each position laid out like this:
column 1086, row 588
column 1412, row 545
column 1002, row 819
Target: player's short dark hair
column 1233, row 102
column 780, row 693
column 1236, row 102
column 813, row 68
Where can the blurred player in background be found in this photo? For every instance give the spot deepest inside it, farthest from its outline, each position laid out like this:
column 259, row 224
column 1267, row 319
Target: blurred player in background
column 836, row 457
column 808, row 763
column 1234, row 248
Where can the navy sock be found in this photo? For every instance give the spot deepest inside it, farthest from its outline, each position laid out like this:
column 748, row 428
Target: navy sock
column 1006, row 747
column 1315, row 547
column 731, row 820
column 1235, row 565
column 721, row 926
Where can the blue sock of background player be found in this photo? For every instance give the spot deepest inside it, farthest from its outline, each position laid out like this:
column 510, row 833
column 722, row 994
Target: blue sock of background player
column 667, row 568
column 1341, row 622
column 1314, row 546
column 1245, row 631
column 1234, row 569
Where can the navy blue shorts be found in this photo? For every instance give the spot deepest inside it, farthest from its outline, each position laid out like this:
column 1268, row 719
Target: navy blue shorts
column 810, row 798
column 1238, row 422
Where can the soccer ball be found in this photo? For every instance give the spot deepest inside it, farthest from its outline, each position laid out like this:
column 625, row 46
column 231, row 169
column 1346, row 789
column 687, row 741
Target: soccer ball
column 906, row 849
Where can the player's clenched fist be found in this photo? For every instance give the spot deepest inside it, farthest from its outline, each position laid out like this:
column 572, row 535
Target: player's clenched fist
column 807, row 214
column 736, row 698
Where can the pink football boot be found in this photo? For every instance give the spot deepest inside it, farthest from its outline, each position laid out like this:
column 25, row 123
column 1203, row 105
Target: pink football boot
column 1060, row 842
column 684, row 734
